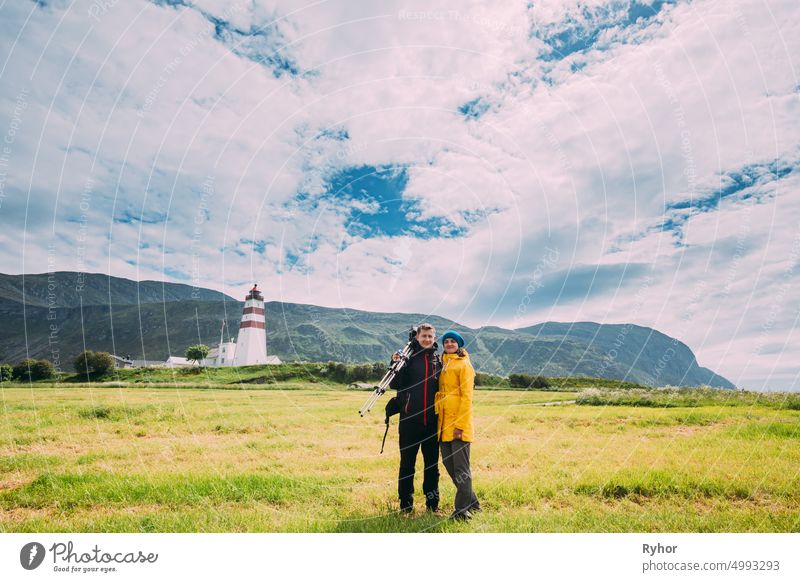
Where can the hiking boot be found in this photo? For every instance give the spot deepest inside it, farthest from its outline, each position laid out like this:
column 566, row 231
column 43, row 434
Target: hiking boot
column 406, row 505
column 464, row 515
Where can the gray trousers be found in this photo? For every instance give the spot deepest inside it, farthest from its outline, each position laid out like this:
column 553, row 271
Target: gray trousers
column 455, row 457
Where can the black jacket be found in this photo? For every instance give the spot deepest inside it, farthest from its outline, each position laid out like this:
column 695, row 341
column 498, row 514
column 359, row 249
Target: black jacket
column 416, row 385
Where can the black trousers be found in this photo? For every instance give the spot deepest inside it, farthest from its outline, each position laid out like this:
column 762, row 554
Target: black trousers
column 414, row 437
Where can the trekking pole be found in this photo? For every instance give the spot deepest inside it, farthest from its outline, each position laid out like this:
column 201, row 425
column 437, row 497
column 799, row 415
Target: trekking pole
column 383, row 385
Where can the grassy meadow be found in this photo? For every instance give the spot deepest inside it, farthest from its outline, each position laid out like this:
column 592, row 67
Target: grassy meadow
column 294, row 456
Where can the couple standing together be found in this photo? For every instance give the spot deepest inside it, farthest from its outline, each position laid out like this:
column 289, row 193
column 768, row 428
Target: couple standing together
column 434, row 394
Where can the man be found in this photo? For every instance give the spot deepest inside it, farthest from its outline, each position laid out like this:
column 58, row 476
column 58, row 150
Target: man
column 416, row 385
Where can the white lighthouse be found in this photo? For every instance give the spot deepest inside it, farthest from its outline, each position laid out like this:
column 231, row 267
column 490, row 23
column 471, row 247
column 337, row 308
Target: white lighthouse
column 251, row 345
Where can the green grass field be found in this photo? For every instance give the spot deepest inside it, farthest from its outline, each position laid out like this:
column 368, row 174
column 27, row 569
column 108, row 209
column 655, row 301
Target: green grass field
column 295, row 456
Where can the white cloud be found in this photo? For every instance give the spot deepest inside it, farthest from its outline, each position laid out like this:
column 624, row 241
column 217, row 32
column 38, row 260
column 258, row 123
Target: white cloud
column 148, row 105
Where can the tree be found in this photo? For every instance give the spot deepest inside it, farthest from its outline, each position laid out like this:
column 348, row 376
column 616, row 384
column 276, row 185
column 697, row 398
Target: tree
column 378, row 369
column 30, row 370
column 540, row 383
column 102, row 363
column 360, row 373
column 528, row 381
column 91, row 363
column 83, row 363
column 6, row 372
column 42, row 370
column 197, row 353
column 337, row 372
column 483, row 379
column 519, row 380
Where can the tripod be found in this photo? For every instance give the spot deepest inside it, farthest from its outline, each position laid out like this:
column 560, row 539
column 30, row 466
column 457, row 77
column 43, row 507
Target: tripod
column 383, row 385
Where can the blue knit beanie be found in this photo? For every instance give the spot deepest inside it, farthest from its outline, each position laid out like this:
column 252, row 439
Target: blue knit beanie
column 453, row 335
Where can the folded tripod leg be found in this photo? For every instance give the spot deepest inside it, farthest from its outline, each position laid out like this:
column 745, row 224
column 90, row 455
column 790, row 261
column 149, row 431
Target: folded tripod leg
column 383, row 385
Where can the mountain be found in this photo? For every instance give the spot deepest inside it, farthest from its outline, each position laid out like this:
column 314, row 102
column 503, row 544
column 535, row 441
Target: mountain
column 58, row 315
column 70, row 289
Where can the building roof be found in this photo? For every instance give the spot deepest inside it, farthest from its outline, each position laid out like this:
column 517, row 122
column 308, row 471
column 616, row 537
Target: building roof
column 146, row 363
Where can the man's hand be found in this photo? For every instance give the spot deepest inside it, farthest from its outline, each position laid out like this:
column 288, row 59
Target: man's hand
column 457, row 434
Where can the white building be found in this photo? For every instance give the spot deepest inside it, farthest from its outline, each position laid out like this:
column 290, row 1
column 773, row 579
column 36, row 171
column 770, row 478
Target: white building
column 222, row 355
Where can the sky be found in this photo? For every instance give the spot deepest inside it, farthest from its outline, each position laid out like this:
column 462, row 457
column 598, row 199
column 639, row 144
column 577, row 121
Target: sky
column 496, row 163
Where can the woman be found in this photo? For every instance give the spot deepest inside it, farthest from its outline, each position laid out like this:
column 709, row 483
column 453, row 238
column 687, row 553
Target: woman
column 454, row 407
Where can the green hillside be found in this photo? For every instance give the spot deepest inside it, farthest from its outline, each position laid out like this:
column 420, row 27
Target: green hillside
column 152, row 320
column 72, row 289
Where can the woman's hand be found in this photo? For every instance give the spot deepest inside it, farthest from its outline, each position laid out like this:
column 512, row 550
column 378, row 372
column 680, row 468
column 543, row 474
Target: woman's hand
column 457, row 434
column 395, row 357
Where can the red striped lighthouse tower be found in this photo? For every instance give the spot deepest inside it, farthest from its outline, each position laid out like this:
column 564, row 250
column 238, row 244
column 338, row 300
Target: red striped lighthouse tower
column 251, row 345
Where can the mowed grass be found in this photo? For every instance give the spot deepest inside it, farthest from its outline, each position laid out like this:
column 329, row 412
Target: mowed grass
column 297, row 457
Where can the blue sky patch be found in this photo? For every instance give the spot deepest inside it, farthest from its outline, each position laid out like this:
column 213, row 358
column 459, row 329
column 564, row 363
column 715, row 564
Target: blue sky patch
column 474, row 109
column 175, row 273
column 732, row 183
column 750, row 181
column 264, row 45
column 373, row 203
column 144, row 217
column 259, row 246
column 577, row 36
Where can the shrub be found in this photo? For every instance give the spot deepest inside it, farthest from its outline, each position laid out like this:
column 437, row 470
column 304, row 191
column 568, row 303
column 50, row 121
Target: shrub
column 345, row 374
column 30, row 370
column 529, row 382
column 519, row 380
column 540, row 383
column 482, row 379
column 102, row 363
column 83, row 363
column 6, row 372
column 361, row 373
column 89, row 363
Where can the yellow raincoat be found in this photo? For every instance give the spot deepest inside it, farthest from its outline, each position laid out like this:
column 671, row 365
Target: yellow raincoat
column 453, row 401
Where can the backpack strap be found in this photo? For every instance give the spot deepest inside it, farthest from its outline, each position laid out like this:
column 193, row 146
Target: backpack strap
column 392, row 408
column 385, row 433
